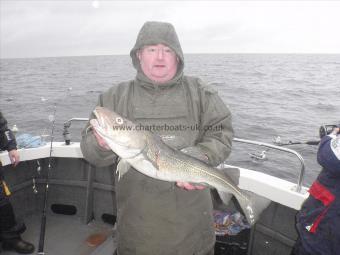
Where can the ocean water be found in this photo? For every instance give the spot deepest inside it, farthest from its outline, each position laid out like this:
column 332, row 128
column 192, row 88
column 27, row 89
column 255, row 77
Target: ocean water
column 269, row 95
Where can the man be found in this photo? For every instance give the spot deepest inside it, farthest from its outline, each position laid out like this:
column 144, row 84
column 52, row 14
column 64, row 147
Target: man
column 318, row 222
column 10, row 230
column 153, row 216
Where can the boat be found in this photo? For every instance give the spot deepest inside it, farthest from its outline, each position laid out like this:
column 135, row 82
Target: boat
column 80, row 210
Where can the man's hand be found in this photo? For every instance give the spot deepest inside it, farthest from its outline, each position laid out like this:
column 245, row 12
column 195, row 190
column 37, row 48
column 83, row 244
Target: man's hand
column 189, row 186
column 14, row 157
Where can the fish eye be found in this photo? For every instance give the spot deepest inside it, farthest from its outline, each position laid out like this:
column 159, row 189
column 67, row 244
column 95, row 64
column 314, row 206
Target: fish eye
column 119, row 120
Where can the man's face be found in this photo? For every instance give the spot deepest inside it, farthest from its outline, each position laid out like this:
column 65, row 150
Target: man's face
column 158, row 62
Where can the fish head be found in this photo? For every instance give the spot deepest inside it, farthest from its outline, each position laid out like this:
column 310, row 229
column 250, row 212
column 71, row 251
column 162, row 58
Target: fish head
column 119, row 133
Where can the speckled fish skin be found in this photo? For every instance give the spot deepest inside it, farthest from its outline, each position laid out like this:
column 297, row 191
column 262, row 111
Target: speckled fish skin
column 148, row 154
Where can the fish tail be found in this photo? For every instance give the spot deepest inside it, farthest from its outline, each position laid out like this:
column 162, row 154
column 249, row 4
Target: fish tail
column 252, row 205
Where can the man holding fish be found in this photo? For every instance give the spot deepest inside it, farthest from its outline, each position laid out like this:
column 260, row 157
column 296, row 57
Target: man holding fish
column 155, row 215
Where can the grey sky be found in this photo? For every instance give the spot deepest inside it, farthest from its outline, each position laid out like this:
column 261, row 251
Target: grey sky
column 73, row 28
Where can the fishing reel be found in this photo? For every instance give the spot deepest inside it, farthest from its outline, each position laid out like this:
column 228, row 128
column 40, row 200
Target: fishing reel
column 327, row 129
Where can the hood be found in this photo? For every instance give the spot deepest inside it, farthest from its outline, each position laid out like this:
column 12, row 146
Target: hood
column 154, row 32
column 329, row 153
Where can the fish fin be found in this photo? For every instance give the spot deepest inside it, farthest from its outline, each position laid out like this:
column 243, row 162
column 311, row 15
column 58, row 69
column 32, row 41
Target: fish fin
column 232, row 172
column 144, row 166
column 224, row 196
column 201, row 184
column 131, row 153
column 252, row 205
column 122, row 168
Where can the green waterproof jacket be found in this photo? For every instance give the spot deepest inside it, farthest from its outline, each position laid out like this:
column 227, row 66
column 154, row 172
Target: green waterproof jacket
column 156, row 217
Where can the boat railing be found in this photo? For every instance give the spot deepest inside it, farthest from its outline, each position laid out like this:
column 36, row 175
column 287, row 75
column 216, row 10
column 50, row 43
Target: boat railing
column 67, row 137
column 67, row 125
column 280, row 148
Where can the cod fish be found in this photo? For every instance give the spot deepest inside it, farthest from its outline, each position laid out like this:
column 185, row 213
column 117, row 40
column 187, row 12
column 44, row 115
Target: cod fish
column 148, row 154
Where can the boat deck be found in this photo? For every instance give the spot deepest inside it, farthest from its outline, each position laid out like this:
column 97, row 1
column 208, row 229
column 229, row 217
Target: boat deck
column 68, row 235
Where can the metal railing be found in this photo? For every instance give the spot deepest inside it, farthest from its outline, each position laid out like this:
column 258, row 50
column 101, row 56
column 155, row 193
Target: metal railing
column 302, row 170
column 67, row 138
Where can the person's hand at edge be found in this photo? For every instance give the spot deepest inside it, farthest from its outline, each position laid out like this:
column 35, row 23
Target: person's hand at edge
column 336, row 131
column 14, row 157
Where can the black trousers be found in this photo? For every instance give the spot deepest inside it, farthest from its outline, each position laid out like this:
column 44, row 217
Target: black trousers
column 7, row 217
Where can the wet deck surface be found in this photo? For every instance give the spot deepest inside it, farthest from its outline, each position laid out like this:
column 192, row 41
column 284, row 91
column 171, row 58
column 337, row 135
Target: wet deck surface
column 68, row 235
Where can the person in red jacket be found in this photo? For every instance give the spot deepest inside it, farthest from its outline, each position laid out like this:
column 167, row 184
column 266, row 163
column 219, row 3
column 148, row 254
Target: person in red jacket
column 10, row 229
column 318, row 221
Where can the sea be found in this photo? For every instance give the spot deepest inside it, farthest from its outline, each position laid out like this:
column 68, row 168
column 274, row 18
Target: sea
column 272, row 97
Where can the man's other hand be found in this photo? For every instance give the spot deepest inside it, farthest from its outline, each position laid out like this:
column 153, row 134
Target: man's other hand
column 190, row 186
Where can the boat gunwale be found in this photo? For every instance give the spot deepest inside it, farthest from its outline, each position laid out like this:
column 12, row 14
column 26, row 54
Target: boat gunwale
column 271, row 187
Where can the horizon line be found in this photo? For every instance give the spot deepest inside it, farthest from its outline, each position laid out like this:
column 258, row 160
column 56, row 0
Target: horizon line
column 202, row 53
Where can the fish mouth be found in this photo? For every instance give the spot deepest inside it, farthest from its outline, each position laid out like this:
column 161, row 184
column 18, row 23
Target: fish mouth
column 94, row 123
column 96, row 114
column 102, row 119
column 98, row 121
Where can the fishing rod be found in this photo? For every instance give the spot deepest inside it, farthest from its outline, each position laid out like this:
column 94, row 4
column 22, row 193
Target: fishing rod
column 49, row 168
column 43, row 217
column 316, row 142
column 323, row 130
column 277, row 141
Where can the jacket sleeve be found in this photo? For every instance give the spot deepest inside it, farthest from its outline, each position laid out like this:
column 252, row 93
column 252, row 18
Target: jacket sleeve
column 215, row 127
column 89, row 146
column 7, row 138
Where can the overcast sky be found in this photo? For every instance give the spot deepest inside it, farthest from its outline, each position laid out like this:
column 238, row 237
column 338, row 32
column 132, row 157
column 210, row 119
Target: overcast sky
column 78, row 28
